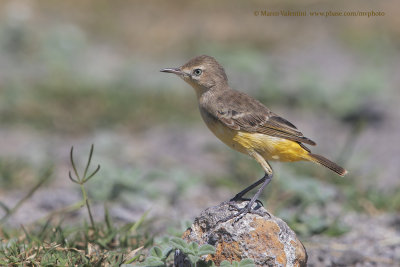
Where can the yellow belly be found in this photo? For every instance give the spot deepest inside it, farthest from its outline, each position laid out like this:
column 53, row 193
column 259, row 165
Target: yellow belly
column 271, row 148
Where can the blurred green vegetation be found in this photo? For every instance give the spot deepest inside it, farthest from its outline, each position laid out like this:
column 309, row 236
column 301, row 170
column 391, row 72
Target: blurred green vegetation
column 15, row 172
column 50, row 85
column 78, row 108
column 74, row 69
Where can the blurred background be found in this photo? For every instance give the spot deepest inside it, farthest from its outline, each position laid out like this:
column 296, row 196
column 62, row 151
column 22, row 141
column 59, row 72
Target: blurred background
column 76, row 73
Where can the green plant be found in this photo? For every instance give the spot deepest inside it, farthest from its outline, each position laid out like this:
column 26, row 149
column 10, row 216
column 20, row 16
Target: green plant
column 46, row 243
column 158, row 256
column 192, row 250
column 81, row 180
column 242, row 263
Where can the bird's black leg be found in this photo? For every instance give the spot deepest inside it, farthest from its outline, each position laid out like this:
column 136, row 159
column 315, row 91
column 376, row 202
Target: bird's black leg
column 243, row 211
column 267, row 179
column 239, row 196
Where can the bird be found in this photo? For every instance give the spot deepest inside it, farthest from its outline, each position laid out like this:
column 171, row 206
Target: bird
column 245, row 124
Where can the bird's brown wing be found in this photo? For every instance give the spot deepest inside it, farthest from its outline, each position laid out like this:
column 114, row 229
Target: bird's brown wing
column 239, row 111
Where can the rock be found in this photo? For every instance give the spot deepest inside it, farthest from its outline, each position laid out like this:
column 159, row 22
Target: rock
column 262, row 237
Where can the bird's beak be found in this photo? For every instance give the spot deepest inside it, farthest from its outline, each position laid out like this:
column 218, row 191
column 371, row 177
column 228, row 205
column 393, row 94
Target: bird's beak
column 176, row 71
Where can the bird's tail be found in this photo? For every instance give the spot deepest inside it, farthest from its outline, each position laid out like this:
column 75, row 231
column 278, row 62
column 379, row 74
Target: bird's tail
column 327, row 163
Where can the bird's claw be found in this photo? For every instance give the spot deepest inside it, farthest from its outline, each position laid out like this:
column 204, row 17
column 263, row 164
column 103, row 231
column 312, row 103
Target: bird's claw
column 241, row 212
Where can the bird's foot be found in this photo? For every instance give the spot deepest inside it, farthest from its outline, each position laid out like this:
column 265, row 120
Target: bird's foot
column 238, row 198
column 241, row 212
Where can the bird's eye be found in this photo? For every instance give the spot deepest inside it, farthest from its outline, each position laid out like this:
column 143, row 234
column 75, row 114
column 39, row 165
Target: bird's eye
column 197, row 72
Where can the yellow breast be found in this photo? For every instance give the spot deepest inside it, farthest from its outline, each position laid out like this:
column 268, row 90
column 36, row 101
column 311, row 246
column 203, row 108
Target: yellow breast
column 271, row 148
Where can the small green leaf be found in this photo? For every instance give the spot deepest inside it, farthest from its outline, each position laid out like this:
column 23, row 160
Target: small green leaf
column 247, row 263
column 156, row 252
column 92, row 175
column 242, row 263
column 166, row 252
column 194, row 248
column 179, row 243
column 71, row 156
column 72, row 179
column 136, row 225
column 206, row 249
column 225, row 263
column 193, row 259
column 132, row 260
column 153, row 261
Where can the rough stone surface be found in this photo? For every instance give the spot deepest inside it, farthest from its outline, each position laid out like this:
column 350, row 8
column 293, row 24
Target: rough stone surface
column 262, row 237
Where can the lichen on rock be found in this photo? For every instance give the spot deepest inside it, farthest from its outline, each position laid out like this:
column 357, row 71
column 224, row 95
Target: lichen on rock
column 266, row 239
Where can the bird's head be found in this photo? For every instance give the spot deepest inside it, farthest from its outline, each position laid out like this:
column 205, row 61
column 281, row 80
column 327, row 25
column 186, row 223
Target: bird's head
column 202, row 73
